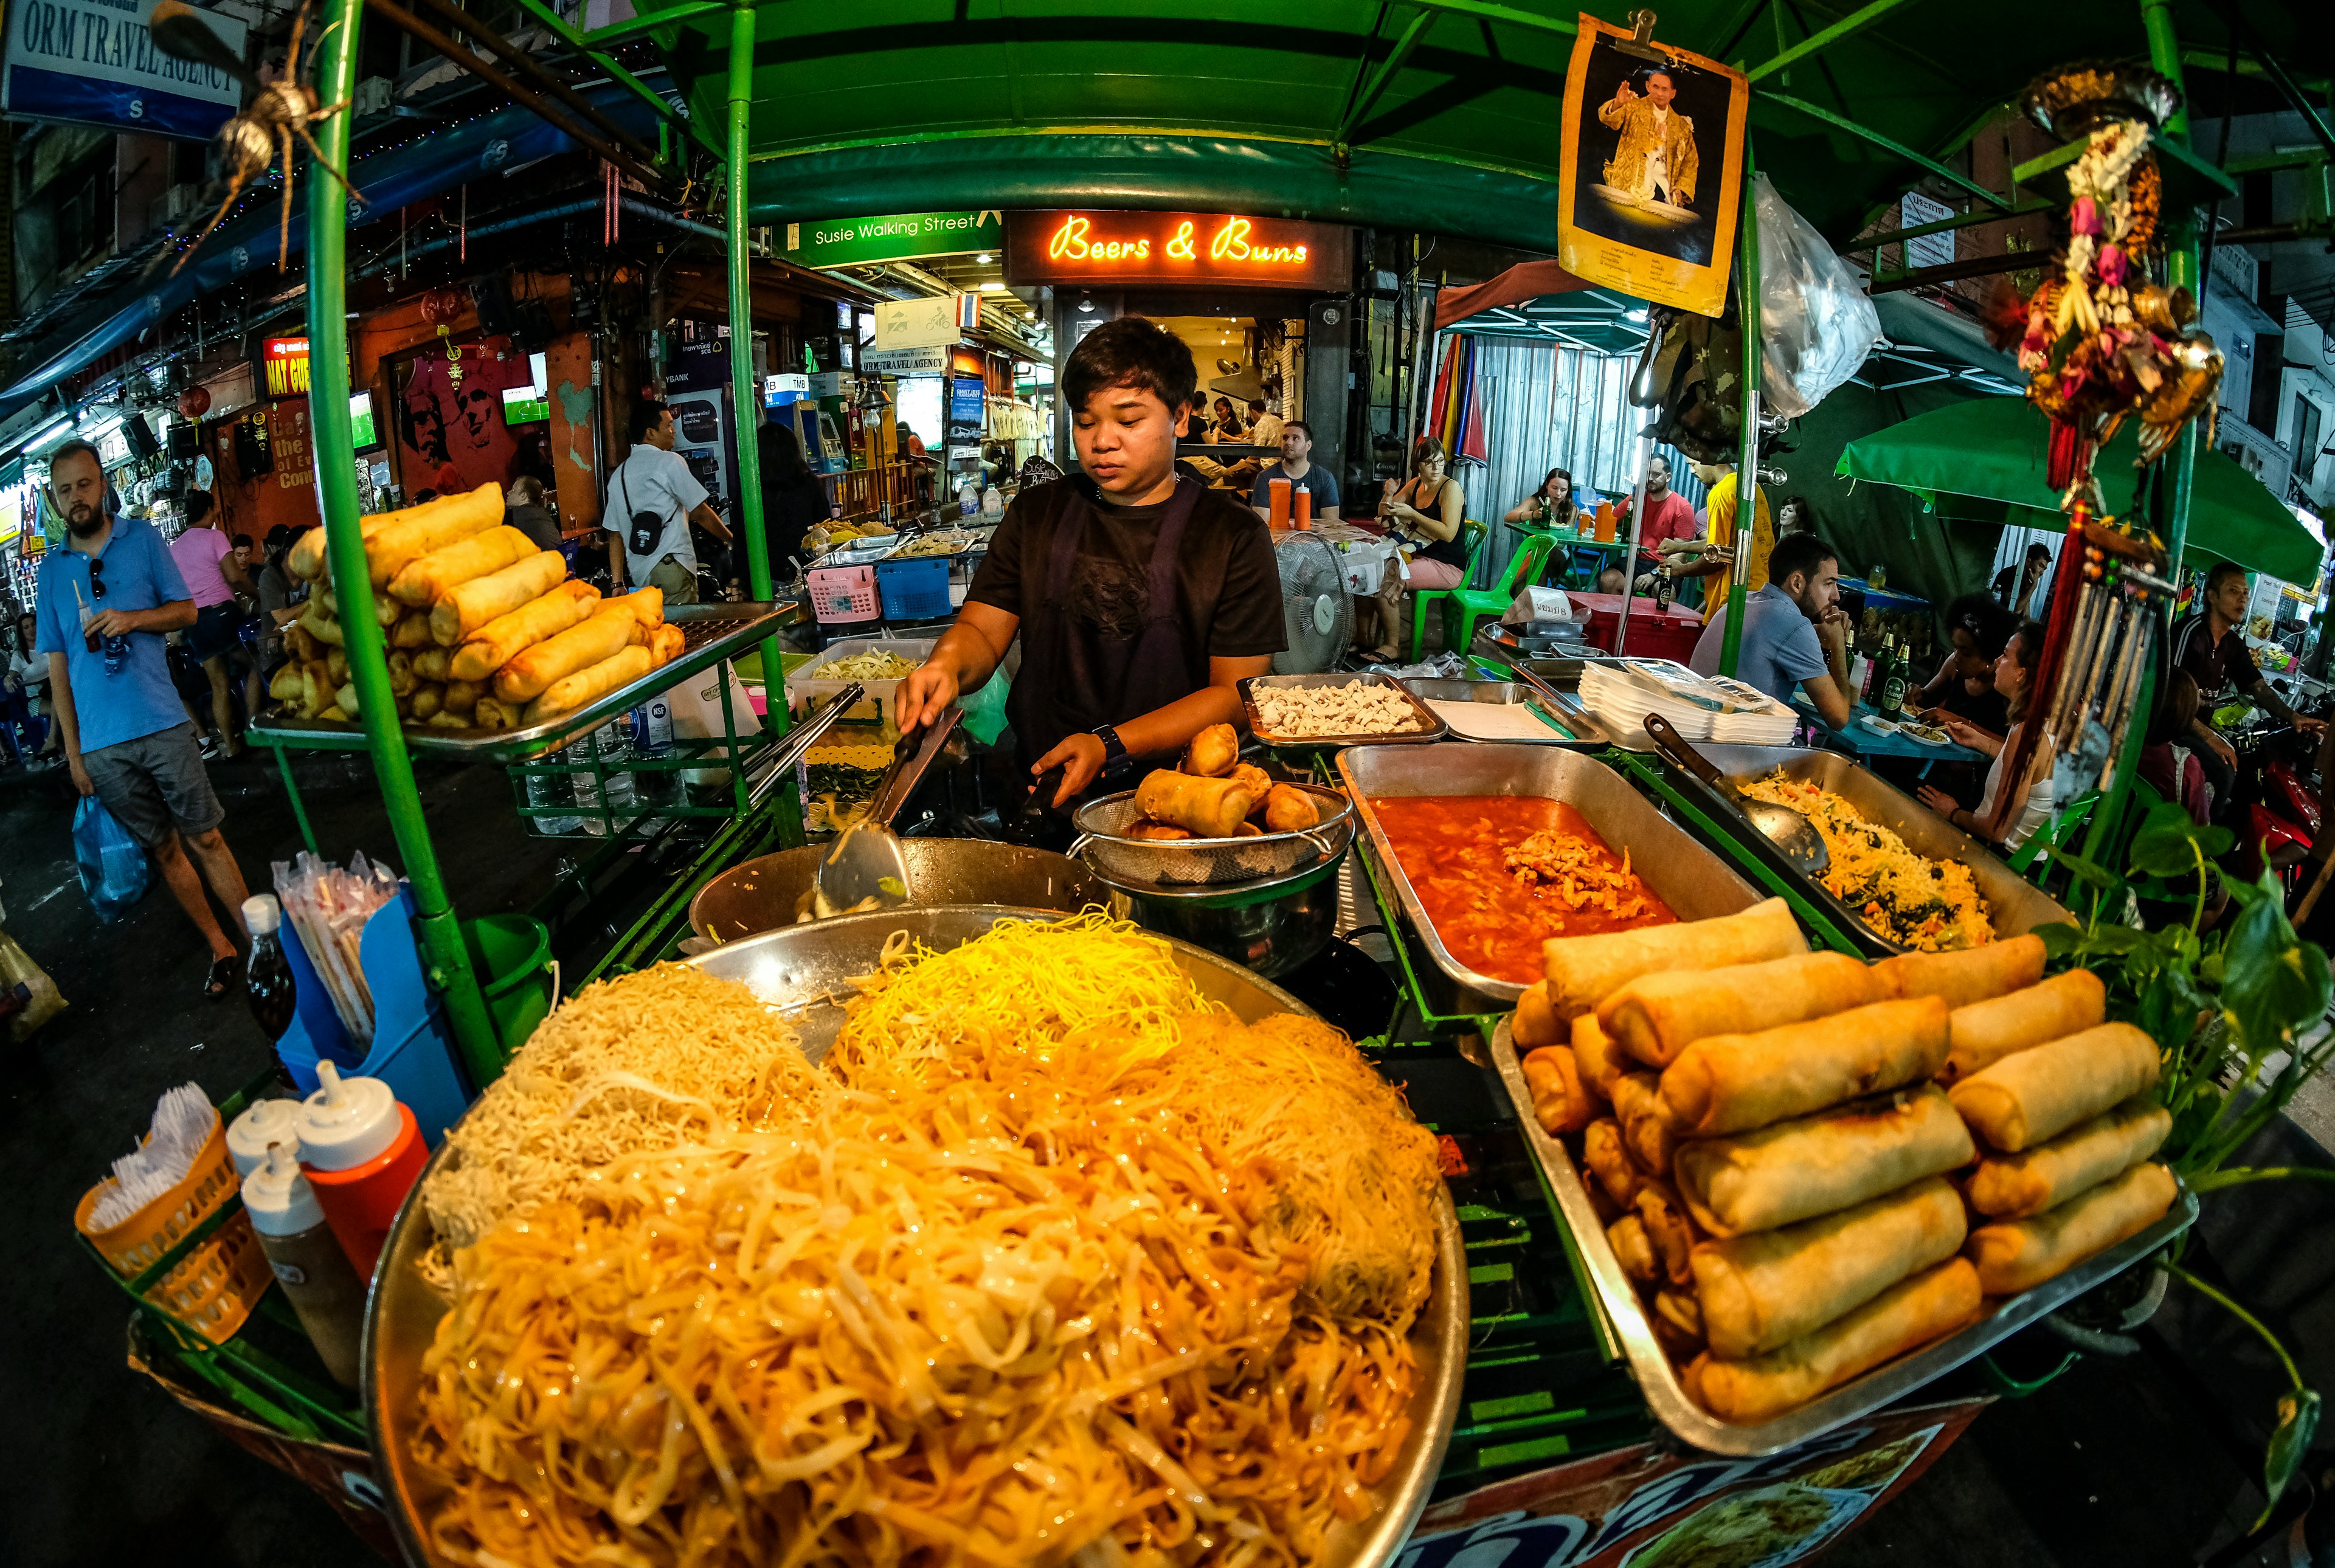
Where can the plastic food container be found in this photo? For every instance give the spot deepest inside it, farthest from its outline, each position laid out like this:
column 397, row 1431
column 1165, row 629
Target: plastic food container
column 807, row 693
column 842, row 595
column 915, row 589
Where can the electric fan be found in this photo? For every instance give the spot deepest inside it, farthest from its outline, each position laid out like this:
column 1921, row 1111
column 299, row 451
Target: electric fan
column 1315, row 606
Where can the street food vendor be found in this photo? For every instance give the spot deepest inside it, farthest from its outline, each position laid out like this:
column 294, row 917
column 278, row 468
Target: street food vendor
column 1141, row 598
column 2211, row 644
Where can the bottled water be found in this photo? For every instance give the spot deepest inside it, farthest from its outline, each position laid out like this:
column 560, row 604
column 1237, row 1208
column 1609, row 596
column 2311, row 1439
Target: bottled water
column 652, row 741
column 547, row 790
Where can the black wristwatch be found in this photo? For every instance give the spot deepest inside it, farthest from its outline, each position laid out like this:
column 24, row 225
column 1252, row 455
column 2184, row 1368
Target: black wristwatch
column 1114, row 750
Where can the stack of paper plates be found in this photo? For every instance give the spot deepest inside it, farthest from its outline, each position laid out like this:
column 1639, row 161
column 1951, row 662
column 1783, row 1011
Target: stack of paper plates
column 1700, row 707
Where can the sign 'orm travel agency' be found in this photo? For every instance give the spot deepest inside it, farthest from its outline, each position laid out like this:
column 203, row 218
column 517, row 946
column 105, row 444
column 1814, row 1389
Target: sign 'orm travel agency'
column 94, row 63
column 901, row 236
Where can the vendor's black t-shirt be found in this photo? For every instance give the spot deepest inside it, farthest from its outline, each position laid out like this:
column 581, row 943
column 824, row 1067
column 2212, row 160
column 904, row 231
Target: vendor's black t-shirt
column 2214, row 666
column 1228, row 589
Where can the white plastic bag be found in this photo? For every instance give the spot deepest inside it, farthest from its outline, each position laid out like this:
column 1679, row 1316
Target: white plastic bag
column 1536, row 603
column 1817, row 325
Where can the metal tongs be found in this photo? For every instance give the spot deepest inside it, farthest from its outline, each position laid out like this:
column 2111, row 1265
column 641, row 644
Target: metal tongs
column 1781, row 826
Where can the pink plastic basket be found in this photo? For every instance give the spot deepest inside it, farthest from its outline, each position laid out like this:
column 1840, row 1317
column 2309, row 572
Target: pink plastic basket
column 842, row 593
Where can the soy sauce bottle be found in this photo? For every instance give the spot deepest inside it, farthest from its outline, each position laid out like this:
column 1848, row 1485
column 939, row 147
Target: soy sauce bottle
column 268, row 985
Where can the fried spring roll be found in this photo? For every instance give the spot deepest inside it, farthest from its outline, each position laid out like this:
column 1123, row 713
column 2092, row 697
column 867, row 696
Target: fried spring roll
column 1985, row 1032
column 1592, row 1048
column 1560, row 1103
column 2019, row 1254
column 407, row 535
column 1608, row 1159
column 1760, row 1292
column 1632, row 1250
column 2012, row 1186
column 570, row 692
column 1974, row 974
column 1795, row 1170
column 1735, row 1082
column 605, row 633
column 470, row 606
column 1670, row 1228
column 1212, row 752
column 1656, row 1016
column 1905, row 1317
column 1536, row 1024
column 1583, row 971
column 1210, row 808
column 2038, row 1093
column 502, row 639
column 428, row 578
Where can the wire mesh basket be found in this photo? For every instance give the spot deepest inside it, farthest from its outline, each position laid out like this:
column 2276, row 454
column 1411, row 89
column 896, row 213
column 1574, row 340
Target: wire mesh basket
column 1198, row 862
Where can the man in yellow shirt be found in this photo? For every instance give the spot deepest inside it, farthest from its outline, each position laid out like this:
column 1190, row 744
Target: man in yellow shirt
column 1719, row 574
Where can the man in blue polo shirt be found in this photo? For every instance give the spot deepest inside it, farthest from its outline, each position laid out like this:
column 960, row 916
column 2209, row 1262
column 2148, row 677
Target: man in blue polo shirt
column 1791, row 630
column 127, row 738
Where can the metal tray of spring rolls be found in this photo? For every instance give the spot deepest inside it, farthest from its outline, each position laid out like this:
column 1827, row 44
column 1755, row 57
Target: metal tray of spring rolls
column 1431, row 727
column 1693, row 881
column 2014, row 904
column 711, row 634
column 1625, row 1316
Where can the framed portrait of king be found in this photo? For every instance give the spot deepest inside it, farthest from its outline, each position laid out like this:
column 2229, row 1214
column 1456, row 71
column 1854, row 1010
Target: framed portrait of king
column 1652, row 192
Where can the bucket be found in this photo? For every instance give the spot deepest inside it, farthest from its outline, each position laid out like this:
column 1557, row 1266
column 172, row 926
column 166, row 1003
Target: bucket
column 512, row 956
column 915, row 590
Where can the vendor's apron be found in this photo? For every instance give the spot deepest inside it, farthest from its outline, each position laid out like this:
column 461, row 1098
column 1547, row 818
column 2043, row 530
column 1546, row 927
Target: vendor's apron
column 1069, row 685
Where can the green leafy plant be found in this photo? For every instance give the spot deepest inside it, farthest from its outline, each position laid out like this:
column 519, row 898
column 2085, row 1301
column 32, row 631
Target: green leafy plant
column 2221, row 1008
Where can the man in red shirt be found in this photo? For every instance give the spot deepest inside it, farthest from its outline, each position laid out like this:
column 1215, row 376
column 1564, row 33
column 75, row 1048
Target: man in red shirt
column 1668, row 516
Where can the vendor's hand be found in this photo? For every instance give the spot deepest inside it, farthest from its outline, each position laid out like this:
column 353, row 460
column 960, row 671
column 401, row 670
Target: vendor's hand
column 2309, row 726
column 1939, row 801
column 1081, row 757
column 81, row 777
column 112, row 622
column 2224, row 749
column 924, row 691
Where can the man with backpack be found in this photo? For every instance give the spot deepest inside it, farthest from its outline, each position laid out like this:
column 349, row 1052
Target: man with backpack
column 652, row 498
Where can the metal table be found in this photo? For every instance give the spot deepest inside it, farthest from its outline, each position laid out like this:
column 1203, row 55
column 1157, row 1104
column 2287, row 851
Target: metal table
column 1859, row 741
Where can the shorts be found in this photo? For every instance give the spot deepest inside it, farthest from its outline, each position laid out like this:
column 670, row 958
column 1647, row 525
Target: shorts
column 216, row 629
column 674, row 579
column 155, row 785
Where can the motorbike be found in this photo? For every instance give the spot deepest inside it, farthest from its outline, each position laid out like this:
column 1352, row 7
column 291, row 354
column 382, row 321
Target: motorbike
column 2274, row 800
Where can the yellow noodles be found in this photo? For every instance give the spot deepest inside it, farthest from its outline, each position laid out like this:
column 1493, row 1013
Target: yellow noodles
column 1930, row 906
column 1069, row 1287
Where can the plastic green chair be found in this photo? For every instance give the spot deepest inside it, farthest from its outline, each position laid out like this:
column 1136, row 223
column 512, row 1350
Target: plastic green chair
column 1463, row 607
column 1472, row 535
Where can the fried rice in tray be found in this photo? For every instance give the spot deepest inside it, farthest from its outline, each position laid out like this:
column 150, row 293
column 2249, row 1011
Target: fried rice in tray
column 1930, row 906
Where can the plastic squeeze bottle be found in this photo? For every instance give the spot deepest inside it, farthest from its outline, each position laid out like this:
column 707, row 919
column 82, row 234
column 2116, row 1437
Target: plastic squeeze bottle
column 362, row 1151
column 262, row 1123
column 309, row 1260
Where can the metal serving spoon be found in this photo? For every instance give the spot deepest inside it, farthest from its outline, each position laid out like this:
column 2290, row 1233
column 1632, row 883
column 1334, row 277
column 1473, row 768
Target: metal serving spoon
column 868, row 869
column 1790, row 831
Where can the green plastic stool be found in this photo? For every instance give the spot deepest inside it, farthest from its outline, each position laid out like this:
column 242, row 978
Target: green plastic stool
column 512, row 956
column 1463, row 607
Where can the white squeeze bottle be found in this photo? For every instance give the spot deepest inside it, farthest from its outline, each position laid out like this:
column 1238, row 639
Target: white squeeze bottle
column 263, row 1122
column 309, row 1260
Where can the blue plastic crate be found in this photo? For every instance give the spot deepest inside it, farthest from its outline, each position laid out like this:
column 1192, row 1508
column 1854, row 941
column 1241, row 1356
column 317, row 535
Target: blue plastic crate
column 915, row 590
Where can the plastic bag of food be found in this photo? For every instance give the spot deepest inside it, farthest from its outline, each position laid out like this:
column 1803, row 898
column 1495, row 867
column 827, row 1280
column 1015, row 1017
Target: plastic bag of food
column 28, row 997
column 1816, row 324
column 114, row 869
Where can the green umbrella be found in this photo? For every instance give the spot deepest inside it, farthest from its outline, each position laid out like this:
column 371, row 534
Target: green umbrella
column 1992, row 448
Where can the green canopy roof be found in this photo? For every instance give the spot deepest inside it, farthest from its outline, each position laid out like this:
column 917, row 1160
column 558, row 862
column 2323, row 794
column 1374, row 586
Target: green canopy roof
column 1434, row 115
column 1992, row 449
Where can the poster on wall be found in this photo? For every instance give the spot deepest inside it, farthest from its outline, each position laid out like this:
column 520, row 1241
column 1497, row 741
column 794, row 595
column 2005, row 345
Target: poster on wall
column 1650, row 1505
column 1651, row 176
column 450, row 413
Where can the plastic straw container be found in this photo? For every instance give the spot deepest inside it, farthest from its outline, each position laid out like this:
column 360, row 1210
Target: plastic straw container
column 213, row 1287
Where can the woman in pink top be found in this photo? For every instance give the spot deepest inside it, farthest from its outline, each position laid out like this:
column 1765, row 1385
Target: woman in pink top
column 205, row 557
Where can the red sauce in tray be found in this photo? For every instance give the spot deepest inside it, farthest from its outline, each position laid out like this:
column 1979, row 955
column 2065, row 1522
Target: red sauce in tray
column 1499, row 875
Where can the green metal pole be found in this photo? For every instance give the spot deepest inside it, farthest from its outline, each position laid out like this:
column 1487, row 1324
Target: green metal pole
column 445, row 962
column 749, row 518
column 1747, row 474
column 2165, row 59
column 2181, row 260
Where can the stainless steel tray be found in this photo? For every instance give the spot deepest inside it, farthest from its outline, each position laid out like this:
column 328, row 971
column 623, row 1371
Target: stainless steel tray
column 712, row 633
column 2014, row 904
column 1617, row 1299
column 1433, row 728
column 797, row 968
column 1694, row 881
column 1587, row 734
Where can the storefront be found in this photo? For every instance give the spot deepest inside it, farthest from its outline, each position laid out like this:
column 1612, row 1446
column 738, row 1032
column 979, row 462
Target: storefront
column 1263, row 302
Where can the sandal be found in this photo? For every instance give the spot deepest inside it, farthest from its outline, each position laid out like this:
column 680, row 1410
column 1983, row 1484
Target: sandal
column 222, row 977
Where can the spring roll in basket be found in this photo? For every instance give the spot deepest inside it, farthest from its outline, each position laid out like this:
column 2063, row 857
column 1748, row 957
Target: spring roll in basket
column 1656, row 1016
column 1905, row 1317
column 1972, row 974
column 1794, row 1170
column 1986, row 1031
column 2019, row 1254
column 2012, row 1186
column 1583, row 971
column 1763, row 1290
column 1736, row 1082
column 2035, row 1094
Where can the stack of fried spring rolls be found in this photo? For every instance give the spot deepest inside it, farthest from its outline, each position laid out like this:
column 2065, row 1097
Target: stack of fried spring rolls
column 1782, row 1176
column 463, row 600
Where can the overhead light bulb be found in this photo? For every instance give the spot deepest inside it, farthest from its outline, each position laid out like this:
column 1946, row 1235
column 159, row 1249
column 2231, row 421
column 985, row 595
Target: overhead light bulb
column 1637, row 315
column 993, row 287
column 984, row 258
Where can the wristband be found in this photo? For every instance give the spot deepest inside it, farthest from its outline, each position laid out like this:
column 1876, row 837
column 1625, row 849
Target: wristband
column 1114, row 750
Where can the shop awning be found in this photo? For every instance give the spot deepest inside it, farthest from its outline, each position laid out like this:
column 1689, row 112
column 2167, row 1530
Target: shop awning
column 1434, row 115
column 1992, row 449
column 489, row 147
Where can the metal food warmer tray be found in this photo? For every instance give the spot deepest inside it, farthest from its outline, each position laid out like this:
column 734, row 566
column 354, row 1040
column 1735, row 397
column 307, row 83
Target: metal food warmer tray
column 1617, row 1299
column 1693, row 881
column 1574, row 726
column 711, row 634
column 802, row 971
column 2014, row 904
column 1431, row 727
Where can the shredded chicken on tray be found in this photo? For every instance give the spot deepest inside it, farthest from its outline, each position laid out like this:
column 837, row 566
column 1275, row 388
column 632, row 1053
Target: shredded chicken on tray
column 1354, row 708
